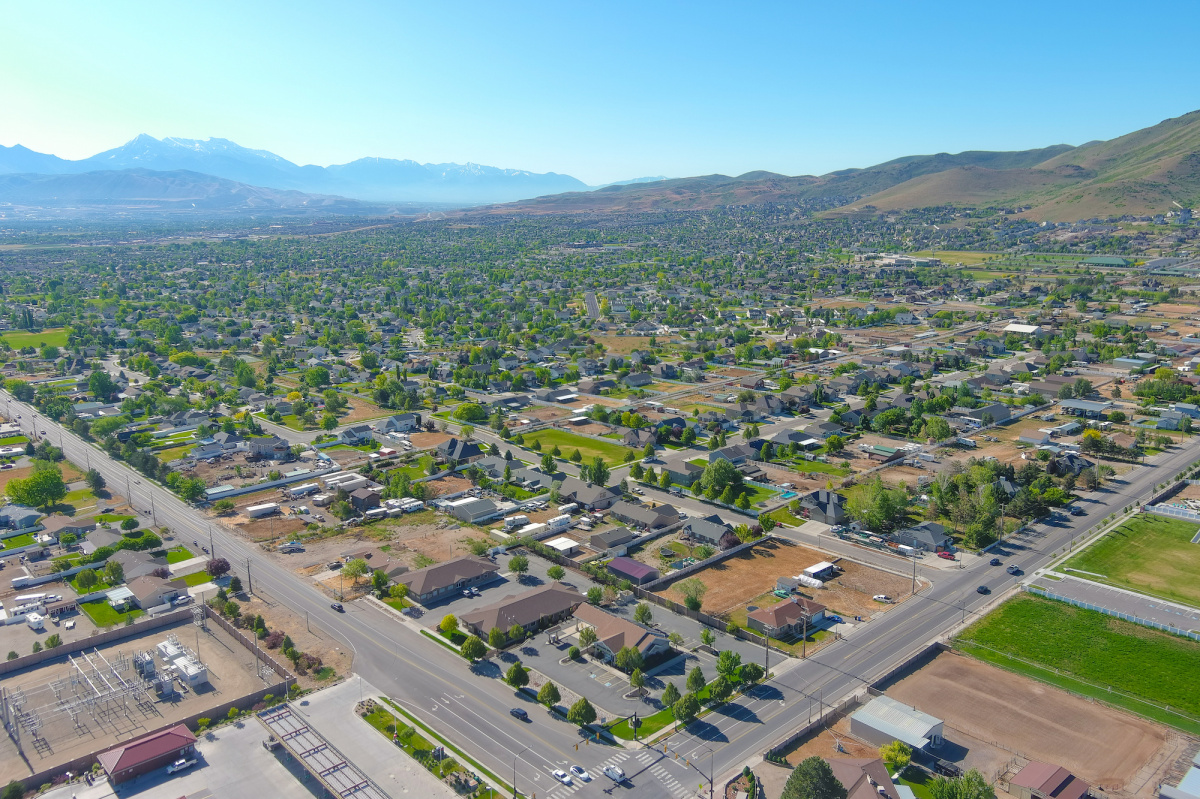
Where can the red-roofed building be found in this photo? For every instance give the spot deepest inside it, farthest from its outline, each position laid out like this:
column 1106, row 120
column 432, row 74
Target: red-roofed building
column 785, row 619
column 1046, row 781
column 143, row 755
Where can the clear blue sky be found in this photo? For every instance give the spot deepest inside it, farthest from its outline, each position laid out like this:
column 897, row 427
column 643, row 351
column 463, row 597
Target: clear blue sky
column 599, row 90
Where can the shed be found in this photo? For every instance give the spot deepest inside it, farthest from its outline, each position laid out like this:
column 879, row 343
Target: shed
column 1045, row 781
column 564, row 546
column 634, row 571
column 883, row 720
column 821, row 571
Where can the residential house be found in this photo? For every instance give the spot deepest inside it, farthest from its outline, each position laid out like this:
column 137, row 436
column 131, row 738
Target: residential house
column 926, row 536
column 472, row 510
column 1039, row 780
column 824, row 506
column 356, row 434
column 637, row 379
column 587, row 495
column 786, row 619
column 638, row 439
column 448, row 578
column 364, row 499
column 459, row 451
column 138, row 564
column 401, row 423
column 151, row 592
column 1067, row 463
column 610, row 539
column 864, row 778
column 271, row 447
column 710, row 530
column 643, row 517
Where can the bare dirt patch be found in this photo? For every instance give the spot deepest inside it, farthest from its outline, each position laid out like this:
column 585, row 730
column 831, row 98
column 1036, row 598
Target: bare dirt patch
column 307, row 637
column 427, row 440
column 1103, row 746
column 14, row 474
column 738, row 580
column 548, row 413
column 361, row 411
column 447, row 485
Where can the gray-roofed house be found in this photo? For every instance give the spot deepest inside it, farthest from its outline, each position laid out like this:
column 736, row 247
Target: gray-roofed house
column 926, row 536
column 824, row 506
column 614, row 633
column 608, row 539
column 712, row 531
column 589, row 495
column 644, row 517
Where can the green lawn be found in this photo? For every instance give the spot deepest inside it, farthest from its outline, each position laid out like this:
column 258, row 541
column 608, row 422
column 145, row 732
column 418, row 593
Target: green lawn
column 114, row 519
column 1148, row 553
column 79, row 497
column 197, row 578
column 54, row 337
column 398, row 604
column 102, row 614
column 569, row 442
column 918, row 780
column 784, row 516
column 13, row 441
column 23, row 540
column 174, row 453
column 290, row 421
column 179, row 554
column 757, row 494
column 817, row 466
column 652, row 723
column 1065, row 642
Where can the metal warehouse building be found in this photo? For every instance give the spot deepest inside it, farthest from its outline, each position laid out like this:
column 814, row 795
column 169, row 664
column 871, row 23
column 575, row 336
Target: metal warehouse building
column 883, row 720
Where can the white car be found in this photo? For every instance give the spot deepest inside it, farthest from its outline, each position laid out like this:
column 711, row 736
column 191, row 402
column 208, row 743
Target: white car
column 581, row 773
column 181, row 764
column 561, row 776
column 882, row 598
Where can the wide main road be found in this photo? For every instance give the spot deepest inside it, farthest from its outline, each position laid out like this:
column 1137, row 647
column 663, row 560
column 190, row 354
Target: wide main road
column 472, row 709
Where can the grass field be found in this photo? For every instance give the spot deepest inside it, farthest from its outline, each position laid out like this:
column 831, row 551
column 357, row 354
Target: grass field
column 179, row 554
column 175, row 453
column 1149, row 553
column 102, row 614
column 12, row 441
column 196, row 578
column 588, row 447
column 1057, row 642
column 54, row 337
column 784, row 516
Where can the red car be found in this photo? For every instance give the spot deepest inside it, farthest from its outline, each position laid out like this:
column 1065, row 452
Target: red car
column 946, row 555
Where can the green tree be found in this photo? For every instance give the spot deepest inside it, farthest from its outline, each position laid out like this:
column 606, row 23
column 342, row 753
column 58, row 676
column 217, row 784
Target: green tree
column 707, row 637
column 642, row 613
column 628, row 659
column 720, row 689
column 516, row 676
column 114, row 573
column 813, row 779
column 696, row 681
column 594, row 594
column 94, row 480
column 670, row 695
column 587, row 637
column 448, row 624
column 729, row 665
column 223, row 506
column 937, row 428
column 692, row 589
column 86, row 579
column 356, row 568
column 43, row 488
column 519, row 565
column 581, row 713
column 637, row 679
column 473, row 648
column 598, row 472
column 896, row 756
column 971, row 785
column 496, row 639
column 556, row 572
column 379, row 582
column 686, row 709
column 549, row 465
column 548, row 695
column 516, row 633
column 752, row 673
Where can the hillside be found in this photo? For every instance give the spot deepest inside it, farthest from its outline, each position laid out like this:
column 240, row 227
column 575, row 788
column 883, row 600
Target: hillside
column 1141, row 172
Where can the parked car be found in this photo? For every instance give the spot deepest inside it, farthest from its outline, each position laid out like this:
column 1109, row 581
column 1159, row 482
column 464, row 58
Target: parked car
column 995, row 561
column 882, row 598
column 833, row 618
column 518, row 713
column 466, row 592
column 181, row 764
column 337, row 606
column 946, row 555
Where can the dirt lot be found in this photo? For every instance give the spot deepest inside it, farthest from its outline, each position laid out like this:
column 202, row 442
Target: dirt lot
column 446, row 485
column 549, row 413
column 427, row 440
column 591, row 428
column 307, row 638
column 738, row 580
column 361, row 411
column 1103, row 746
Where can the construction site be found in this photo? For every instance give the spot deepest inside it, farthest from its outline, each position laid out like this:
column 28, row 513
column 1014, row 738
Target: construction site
column 57, row 714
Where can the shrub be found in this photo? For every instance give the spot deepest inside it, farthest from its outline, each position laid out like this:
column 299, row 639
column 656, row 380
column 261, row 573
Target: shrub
column 573, row 653
column 274, row 639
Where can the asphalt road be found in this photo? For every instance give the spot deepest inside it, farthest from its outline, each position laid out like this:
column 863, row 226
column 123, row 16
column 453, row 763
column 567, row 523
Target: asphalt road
column 472, row 709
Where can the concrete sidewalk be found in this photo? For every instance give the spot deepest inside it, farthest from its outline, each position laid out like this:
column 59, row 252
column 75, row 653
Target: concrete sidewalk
column 331, row 713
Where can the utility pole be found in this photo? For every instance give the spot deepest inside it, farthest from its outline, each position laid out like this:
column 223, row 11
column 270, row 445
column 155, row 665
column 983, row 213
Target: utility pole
column 914, row 588
column 804, row 640
column 249, row 582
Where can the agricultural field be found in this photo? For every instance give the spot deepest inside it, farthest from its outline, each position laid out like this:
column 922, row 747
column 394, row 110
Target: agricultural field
column 1149, row 553
column 1090, row 653
column 588, row 447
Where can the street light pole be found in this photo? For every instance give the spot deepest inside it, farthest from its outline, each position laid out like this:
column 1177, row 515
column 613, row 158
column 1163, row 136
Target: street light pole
column 516, row 757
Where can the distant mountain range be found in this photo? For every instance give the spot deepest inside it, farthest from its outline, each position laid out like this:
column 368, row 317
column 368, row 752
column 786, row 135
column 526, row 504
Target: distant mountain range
column 1142, row 172
column 1147, row 171
column 371, row 179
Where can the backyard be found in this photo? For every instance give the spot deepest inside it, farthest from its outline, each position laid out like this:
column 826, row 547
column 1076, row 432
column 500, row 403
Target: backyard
column 1148, row 553
column 569, row 442
column 103, row 615
column 1092, row 654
